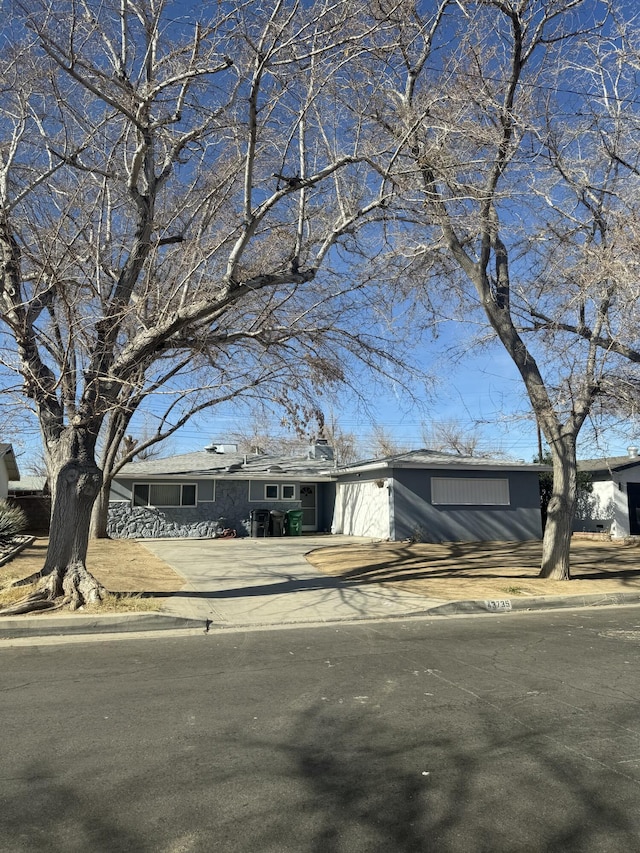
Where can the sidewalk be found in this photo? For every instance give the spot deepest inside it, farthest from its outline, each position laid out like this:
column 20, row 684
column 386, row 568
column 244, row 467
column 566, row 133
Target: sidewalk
column 254, row 583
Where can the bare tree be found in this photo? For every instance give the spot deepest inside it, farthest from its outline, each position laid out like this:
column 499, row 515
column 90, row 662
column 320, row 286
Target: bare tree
column 453, row 437
column 473, row 111
column 162, row 184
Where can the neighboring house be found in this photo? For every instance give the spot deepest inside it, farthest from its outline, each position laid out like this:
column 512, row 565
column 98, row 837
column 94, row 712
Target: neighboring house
column 614, row 504
column 439, row 497
column 8, row 468
column 31, row 494
column 196, row 493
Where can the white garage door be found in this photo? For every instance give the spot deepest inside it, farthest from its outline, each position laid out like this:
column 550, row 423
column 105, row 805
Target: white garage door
column 362, row 509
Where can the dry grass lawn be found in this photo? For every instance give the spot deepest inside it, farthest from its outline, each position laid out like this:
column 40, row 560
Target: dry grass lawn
column 121, row 565
column 487, row 570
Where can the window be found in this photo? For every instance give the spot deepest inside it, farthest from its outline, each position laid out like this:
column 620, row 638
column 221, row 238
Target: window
column 188, row 494
column 469, row 491
column 164, row 494
column 140, row 495
column 275, row 492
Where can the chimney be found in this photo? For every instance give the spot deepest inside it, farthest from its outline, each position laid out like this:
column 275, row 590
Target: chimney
column 632, row 451
column 321, row 450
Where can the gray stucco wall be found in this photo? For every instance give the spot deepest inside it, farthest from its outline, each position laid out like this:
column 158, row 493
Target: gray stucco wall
column 414, row 514
column 231, row 503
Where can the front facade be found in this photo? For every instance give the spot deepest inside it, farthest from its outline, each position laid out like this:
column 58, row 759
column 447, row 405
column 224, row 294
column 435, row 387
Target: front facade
column 429, row 496
column 198, row 494
column 614, row 504
column 422, row 495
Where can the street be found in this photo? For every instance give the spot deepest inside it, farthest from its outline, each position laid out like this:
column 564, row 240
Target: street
column 497, row 733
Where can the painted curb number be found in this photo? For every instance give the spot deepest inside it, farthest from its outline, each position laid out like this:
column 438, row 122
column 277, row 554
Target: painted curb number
column 498, row 604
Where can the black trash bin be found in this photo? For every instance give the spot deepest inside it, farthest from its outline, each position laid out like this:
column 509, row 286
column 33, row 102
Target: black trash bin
column 293, row 522
column 259, row 523
column 276, row 525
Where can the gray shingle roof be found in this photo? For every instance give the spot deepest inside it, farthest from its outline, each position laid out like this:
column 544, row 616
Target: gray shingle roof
column 29, row 483
column 229, row 466
column 610, row 463
column 438, row 459
column 238, row 466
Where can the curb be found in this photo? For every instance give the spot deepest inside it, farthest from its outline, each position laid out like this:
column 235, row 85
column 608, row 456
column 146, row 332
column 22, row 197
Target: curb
column 547, row 602
column 34, row 627
column 13, row 627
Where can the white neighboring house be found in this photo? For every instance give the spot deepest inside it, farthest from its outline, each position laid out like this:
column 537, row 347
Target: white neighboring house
column 8, row 469
column 614, row 504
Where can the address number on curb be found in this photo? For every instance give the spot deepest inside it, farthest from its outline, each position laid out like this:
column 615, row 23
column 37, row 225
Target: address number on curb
column 498, row 604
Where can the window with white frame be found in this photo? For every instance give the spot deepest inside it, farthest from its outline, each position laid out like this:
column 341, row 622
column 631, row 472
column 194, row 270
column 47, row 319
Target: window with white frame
column 164, row 494
column 279, row 492
column 470, row 491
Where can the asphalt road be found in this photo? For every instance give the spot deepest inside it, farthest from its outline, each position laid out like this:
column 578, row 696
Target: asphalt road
column 504, row 733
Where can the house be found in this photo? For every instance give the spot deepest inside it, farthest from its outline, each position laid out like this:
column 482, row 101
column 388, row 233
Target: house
column 423, row 494
column 8, row 469
column 439, row 497
column 614, row 504
column 194, row 494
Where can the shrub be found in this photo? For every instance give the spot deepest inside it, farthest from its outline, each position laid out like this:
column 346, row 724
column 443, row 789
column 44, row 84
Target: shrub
column 12, row 522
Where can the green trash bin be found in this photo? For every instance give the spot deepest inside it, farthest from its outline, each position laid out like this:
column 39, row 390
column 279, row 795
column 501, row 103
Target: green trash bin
column 293, row 522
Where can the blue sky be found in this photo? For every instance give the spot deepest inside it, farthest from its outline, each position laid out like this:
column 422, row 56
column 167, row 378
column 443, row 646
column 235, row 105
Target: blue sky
column 482, row 392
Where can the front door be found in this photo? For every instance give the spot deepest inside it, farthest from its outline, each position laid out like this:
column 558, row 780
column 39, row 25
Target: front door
column 308, row 505
column 633, row 495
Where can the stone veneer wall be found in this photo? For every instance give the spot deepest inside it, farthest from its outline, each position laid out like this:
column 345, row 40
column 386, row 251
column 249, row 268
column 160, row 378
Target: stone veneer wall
column 147, row 522
column 196, row 522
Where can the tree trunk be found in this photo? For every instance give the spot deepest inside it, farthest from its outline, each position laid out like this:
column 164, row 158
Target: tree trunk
column 76, row 488
column 76, row 480
column 556, row 543
column 100, row 513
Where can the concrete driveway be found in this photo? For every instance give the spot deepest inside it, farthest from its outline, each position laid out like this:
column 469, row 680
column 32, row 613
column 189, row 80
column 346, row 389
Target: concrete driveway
column 254, row 582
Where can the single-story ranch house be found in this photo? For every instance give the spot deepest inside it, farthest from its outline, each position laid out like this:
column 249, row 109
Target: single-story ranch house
column 614, row 505
column 423, row 494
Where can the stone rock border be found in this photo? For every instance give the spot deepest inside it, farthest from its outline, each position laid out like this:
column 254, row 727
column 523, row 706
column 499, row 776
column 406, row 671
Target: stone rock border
column 8, row 552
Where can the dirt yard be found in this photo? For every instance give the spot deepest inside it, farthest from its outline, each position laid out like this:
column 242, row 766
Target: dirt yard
column 480, row 570
column 121, row 565
column 454, row 571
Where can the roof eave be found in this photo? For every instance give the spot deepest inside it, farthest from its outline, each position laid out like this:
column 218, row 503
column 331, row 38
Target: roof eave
column 10, row 462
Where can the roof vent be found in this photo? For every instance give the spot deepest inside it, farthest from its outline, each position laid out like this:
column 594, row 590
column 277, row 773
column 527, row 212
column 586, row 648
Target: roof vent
column 632, row 451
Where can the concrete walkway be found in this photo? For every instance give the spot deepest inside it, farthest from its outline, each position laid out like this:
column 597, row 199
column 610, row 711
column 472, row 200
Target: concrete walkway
column 253, row 582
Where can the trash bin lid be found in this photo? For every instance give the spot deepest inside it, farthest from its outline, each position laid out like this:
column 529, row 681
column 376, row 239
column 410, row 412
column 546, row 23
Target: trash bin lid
column 259, row 514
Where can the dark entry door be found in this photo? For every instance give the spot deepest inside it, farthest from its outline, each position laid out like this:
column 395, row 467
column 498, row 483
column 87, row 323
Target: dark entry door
column 633, row 494
column 308, row 504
